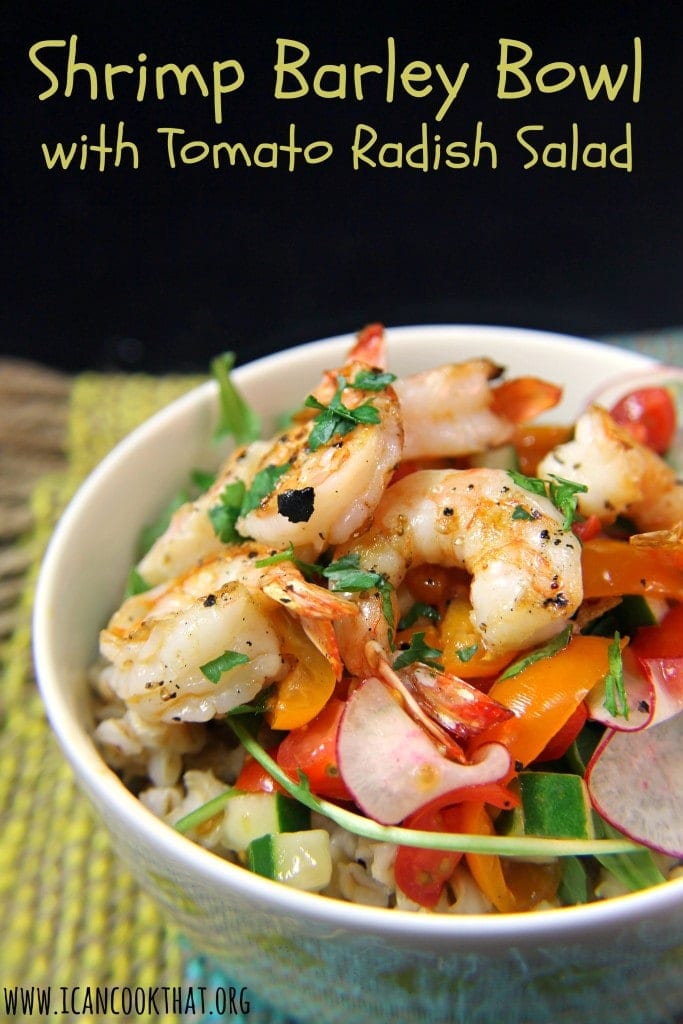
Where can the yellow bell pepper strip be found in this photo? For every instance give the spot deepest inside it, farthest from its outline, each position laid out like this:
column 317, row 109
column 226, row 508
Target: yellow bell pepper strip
column 464, row 654
column 306, row 688
column 612, row 568
column 545, row 695
column 486, row 868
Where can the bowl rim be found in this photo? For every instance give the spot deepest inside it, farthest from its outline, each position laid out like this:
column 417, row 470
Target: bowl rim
column 105, row 787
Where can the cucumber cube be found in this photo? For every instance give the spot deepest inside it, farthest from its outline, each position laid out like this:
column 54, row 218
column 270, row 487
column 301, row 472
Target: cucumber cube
column 554, row 805
column 300, row 859
column 250, row 815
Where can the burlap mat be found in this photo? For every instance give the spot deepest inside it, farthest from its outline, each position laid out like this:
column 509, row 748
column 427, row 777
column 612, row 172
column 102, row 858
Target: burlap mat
column 73, row 921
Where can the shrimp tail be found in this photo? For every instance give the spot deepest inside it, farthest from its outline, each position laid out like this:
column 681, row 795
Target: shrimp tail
column 370, row 347
column 306, row 599
column 458, row 706
column 447, row 745
column 322, row 635
column 316, row 609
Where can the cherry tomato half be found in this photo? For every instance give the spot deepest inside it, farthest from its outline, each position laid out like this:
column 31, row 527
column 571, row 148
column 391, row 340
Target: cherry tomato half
column 664, row 640
column 313, row 749
column 253, row 778
column 649, row 415
column 421, row 873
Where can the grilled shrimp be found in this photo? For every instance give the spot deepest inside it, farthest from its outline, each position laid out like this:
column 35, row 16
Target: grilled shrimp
column 190, row 535
column 328, row 494
column 314, row 498
column 452, row 409
column 447, row 411
column 623, row 477
column 525, row 567
column 158, row 641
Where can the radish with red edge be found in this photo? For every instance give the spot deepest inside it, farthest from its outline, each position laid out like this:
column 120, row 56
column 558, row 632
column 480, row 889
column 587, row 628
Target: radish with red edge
column 642, row 699
column 634, row 781
column 390, row 765
column 653, row 676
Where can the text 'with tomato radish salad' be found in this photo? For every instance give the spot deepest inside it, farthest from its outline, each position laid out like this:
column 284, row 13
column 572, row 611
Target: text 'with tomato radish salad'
column 416, row 650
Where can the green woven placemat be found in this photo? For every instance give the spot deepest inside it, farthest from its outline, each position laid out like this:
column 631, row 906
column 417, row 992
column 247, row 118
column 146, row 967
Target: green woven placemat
column 77, row 927
column 74, row 922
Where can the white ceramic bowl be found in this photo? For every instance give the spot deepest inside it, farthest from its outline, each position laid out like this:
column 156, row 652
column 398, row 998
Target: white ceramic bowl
column 316, row 958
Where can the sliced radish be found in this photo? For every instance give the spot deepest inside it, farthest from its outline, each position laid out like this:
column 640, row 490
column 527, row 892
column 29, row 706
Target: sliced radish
column 654, row 693
column 665, row 676
column 391, row 766
column 640, row 699
column 634, row 781
column 449, row 709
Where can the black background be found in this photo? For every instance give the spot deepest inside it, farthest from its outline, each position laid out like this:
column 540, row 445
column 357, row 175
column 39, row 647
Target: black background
column 159, row 269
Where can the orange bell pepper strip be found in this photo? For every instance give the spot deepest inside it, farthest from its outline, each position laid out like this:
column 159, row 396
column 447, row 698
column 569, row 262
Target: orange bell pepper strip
column 545, row 695
column 612, row 568
column 523, row 398
column 486, row 868
column 533, row 441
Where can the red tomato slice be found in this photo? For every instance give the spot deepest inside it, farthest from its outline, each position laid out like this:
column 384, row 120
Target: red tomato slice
column 587, row 528
column 255, row 779
column 649, row 415
column 659, row 653
column 421, row 874
column 664, row 640
column 313, row 749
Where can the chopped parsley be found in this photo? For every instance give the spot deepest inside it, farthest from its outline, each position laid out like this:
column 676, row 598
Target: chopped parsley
column 346, row 574
column 563, row 494
column 420, row 651
column 262, row 485
column 547, row 651
column 257, row 706
column 225, row 514
column 309, row 570
column 615, row 701
column 213, row 670
column 373, row 380
column 418, row 611
column 236, row 501
column 336, row 418
column 465, row 654
column 533, row 484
